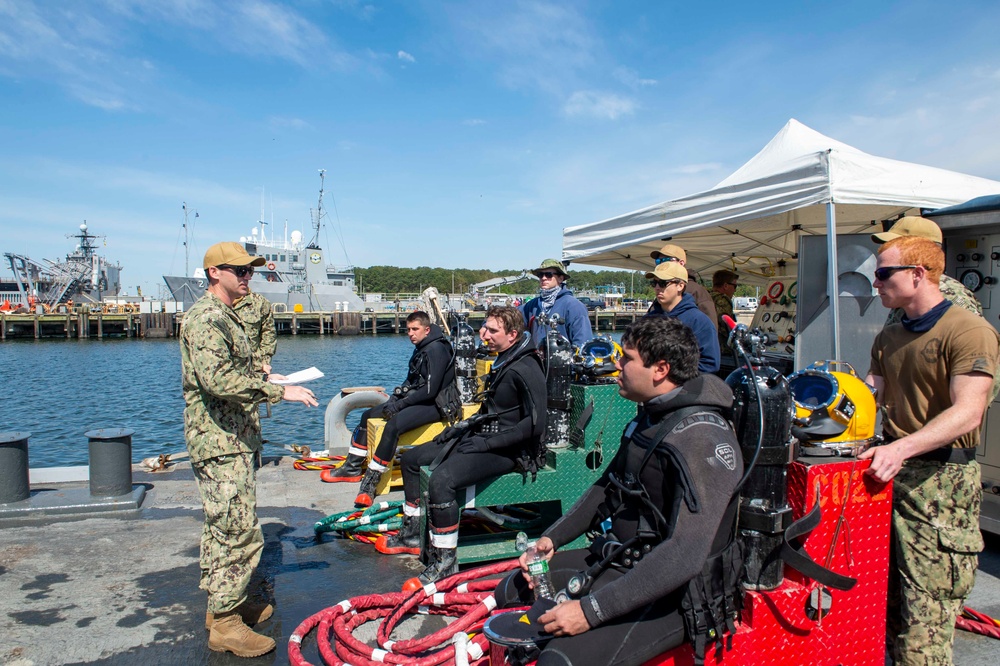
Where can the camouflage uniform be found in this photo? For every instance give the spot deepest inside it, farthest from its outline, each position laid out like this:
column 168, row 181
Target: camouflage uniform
column 959, row 294
column 258, row 322
column 221, row 392
column 936, row 542
column 723, row 306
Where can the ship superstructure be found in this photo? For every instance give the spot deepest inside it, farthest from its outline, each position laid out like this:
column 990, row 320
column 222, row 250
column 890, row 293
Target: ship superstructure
column 295, row 274
column 84, row 277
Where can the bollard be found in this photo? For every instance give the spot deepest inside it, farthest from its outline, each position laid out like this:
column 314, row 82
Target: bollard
column 13, row 467
column 110, row 461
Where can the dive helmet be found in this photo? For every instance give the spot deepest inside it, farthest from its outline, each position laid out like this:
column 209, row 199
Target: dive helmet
column 597, row 357
column 834, row 409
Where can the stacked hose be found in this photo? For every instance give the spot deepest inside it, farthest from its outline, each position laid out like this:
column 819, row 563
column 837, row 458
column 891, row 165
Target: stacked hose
column 364, row 525
column 466, row 596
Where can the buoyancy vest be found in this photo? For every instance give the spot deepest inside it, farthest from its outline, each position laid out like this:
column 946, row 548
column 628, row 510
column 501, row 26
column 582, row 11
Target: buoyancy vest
column 639, row 514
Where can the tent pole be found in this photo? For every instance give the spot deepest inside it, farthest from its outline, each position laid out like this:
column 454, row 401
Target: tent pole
column 832, row 286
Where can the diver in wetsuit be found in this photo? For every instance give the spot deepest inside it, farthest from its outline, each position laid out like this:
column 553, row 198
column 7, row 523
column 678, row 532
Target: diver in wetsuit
column 505, row 435
column 669, row 496
column 415, row 403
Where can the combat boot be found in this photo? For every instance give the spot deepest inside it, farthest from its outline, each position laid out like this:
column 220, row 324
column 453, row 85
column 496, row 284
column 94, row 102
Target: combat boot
column 369, row 489
column 230, row 634
column 406, row 541
column 349, row 472
column 251, row 613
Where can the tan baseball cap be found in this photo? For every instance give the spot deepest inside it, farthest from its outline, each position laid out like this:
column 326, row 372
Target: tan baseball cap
column 920, row 227
column 230, row 253
column 670, row 250
column 669, row 270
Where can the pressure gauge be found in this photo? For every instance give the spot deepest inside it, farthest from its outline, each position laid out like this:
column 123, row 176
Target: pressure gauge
column 972, row 279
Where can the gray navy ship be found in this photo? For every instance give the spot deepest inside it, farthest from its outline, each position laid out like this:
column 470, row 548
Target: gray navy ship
column 84, row 277
column 296, row 274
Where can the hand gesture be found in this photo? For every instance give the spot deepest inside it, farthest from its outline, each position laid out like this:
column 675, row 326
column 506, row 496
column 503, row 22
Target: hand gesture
column 300, row 394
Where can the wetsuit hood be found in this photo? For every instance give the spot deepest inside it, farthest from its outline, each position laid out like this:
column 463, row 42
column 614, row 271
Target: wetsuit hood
column 704, row 390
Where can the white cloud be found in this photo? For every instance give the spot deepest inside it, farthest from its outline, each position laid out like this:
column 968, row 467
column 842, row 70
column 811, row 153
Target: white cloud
column 630, row 78
column 405, row 57
column 289, row 122
column 595, row 104
column 474, row 122
column 949, row 121
column 536, row 45
column 87, row 50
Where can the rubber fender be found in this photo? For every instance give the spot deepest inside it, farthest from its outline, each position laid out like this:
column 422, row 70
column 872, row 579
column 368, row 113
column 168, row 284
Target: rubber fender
column 336, row 433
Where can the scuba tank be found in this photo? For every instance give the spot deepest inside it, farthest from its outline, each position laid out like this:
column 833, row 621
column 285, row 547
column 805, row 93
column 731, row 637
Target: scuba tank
column 557, row 352
column 464, row 340
column 761, row 395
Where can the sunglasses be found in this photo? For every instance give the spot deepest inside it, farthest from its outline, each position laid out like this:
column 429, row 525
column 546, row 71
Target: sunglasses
column 662, row 284
column 733, row 284
column 240, row 271
column 548, row 274
column 886, row 272
column 662, row 258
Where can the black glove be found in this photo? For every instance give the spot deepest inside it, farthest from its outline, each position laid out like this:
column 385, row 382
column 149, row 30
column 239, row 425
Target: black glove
column 473, row 445
column 390, row 409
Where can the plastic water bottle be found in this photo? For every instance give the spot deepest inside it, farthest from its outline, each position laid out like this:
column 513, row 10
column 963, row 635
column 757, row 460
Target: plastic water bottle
column 538, row 568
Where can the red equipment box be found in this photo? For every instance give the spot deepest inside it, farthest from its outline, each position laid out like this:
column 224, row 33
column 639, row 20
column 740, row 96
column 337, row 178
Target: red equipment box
column 852, row 539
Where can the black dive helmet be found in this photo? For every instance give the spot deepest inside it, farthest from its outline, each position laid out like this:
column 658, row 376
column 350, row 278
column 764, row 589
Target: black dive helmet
column 762, row 418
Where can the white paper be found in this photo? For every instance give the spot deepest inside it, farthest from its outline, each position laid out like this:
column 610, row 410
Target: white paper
column 299, row 377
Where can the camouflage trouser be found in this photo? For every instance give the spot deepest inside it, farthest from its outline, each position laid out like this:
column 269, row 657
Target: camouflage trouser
column 231, row 540
column 935, row 541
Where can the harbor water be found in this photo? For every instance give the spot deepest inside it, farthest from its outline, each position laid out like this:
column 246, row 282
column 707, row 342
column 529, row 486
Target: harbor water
column 60, row 389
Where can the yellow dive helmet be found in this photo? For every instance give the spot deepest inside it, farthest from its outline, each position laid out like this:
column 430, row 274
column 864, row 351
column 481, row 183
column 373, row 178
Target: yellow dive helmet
column 834, row 409
column 596, row 359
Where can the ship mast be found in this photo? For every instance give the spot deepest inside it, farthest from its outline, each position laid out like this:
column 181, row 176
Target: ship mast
column 319, row 211
column 187, row 252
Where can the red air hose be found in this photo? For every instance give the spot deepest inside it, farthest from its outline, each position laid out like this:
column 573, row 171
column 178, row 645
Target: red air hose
column 978, row 623
column 466, row 596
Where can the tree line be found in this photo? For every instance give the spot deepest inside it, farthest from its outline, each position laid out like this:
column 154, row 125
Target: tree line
column 394, row 280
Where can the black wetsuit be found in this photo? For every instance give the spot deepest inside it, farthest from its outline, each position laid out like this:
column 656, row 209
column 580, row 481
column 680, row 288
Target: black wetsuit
column 516, row 402
column 634, row 613
column 430, row 369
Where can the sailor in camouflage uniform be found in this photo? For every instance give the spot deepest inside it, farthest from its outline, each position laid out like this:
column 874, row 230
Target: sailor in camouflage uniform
column 222, row 386
column 951, row 289
column 724, row 283
column 932, row 373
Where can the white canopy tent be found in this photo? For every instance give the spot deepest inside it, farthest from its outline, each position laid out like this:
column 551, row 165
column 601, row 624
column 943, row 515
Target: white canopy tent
column 801, row 182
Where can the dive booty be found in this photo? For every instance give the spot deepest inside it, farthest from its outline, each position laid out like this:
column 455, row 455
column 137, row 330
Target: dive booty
column 443, row 563
column 405, row 542
column 349, row 472
column 368, row 490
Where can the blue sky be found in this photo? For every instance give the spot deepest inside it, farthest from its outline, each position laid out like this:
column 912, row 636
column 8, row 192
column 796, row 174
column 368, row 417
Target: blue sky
column 455, row 134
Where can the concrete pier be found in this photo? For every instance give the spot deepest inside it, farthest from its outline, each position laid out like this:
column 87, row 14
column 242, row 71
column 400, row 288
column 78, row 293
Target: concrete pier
column 121, row 592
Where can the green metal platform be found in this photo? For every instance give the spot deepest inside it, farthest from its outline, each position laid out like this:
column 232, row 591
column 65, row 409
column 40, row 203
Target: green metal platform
column 567, row 474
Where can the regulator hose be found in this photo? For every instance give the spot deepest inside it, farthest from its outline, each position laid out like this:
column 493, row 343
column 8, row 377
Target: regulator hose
column 466, row 596
column 379, row 517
